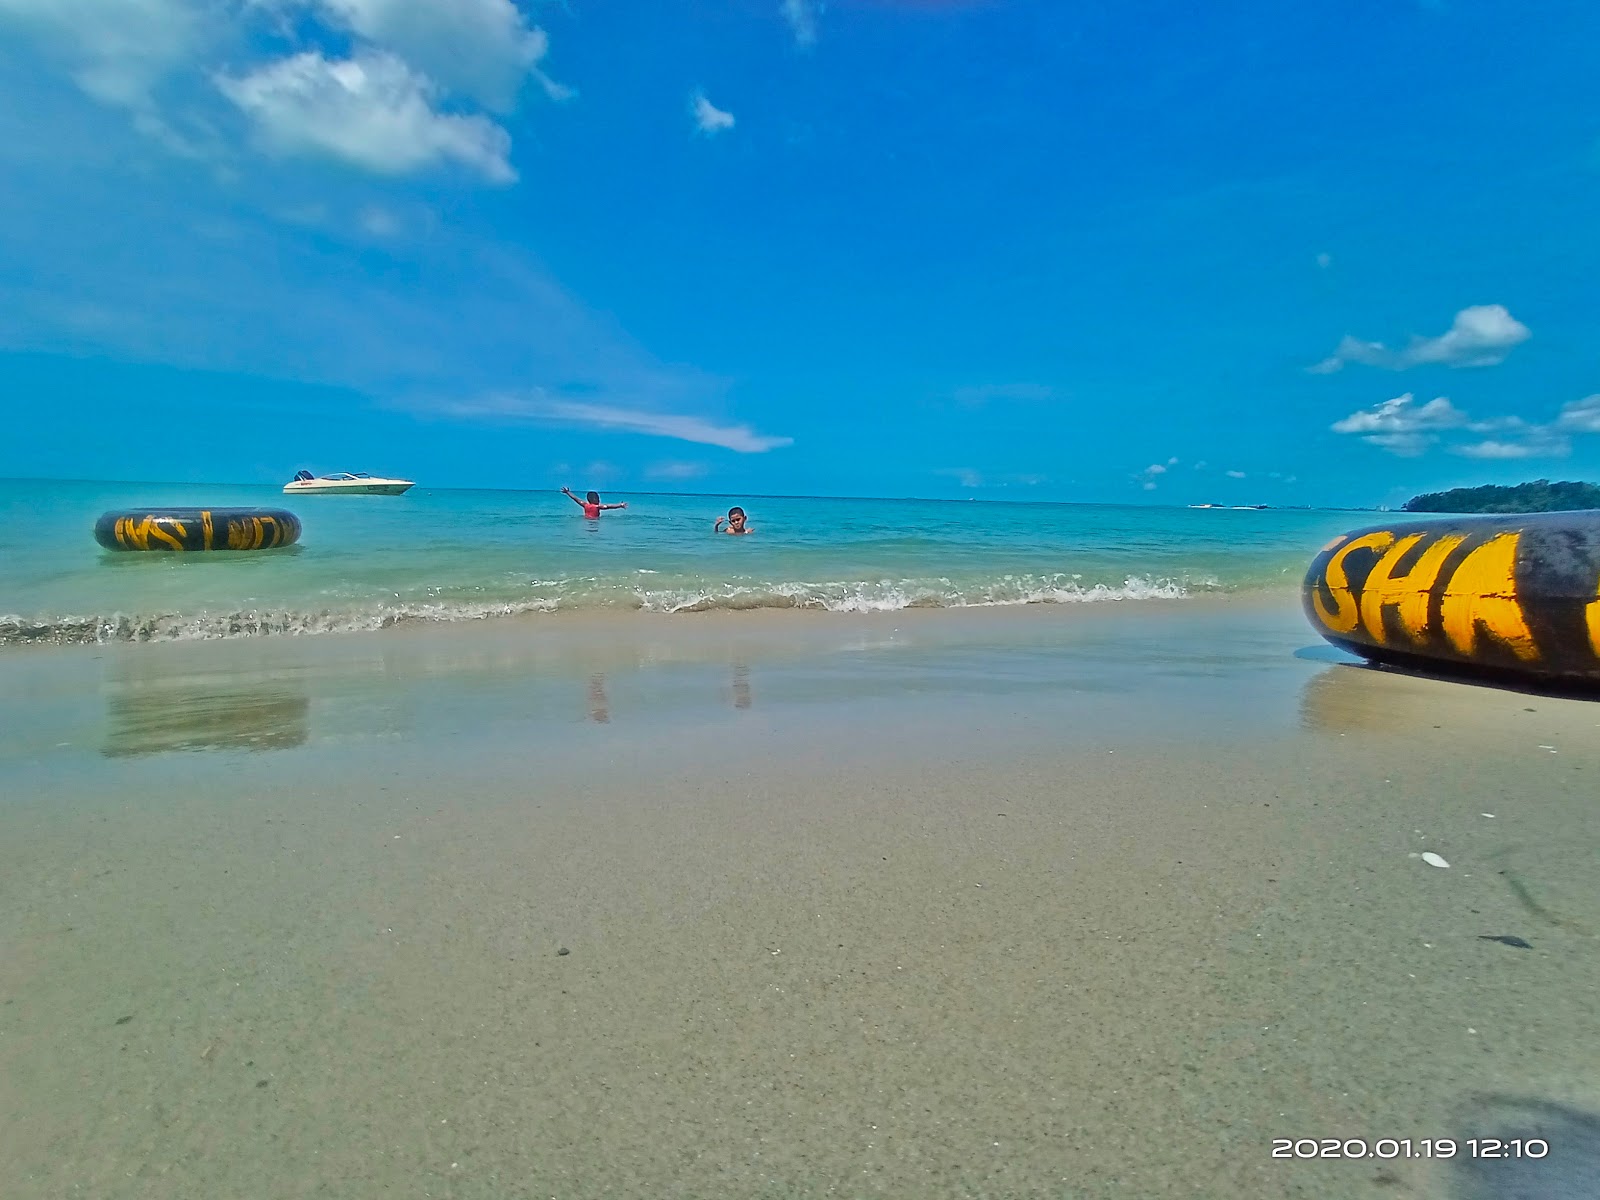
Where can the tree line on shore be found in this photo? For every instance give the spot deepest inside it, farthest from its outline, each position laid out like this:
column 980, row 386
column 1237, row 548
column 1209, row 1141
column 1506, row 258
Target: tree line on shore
column 1538, row 496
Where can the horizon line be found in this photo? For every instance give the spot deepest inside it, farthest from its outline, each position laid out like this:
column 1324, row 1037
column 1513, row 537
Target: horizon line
column 726, row 495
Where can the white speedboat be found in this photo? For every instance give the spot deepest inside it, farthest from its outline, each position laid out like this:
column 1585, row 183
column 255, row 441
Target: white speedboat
column 346, row 483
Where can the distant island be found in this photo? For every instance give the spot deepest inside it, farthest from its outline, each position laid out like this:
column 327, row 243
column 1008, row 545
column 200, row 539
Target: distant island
column 1539, row 496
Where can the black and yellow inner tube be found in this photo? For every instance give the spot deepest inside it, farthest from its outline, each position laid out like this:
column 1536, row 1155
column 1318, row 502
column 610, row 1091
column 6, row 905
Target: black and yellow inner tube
column 1507, row 595
column 191, row 529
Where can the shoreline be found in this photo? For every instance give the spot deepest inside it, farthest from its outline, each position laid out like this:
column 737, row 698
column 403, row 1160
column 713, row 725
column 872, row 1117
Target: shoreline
column 1259, row 597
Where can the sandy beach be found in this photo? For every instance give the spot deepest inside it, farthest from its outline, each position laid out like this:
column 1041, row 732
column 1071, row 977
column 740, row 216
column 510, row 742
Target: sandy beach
column 1066, row 901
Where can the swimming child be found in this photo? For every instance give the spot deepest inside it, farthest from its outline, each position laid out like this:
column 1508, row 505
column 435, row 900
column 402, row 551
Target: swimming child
column 735, row 520
column 591, row 506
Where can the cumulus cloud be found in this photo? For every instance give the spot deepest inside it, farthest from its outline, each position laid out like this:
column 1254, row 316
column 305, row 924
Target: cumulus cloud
column 1401, row 425
column 1403, row 415
column 372, row 110
column 1149, row 477
column 801, row 16
column 1234, row 474
column 1480, row 336
column 1404, row 427
column 479, row 48
column 541, row 408
column 708, row 118
column 389, row 99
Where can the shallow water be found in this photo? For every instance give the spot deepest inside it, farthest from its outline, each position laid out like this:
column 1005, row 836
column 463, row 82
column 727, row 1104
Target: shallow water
column 1090, row 902
column 367, row 562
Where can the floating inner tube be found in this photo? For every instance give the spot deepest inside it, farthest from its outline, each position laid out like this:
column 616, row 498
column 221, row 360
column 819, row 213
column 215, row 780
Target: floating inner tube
column 1507, row 595
column 173, row 529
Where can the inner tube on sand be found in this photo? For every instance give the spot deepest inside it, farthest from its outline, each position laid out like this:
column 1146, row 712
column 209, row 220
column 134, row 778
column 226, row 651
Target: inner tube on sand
column 182, row 529
column 1514, row 596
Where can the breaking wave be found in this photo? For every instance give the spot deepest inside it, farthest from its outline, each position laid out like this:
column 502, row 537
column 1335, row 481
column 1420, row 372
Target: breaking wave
column 592, row 595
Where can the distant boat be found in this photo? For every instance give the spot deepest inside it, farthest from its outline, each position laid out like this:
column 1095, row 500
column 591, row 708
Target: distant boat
column 345, row 483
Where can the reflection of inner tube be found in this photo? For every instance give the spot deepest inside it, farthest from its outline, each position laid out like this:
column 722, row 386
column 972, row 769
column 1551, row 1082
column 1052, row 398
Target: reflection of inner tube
column 180, row 715
column 197, row 529
column 1515, row 595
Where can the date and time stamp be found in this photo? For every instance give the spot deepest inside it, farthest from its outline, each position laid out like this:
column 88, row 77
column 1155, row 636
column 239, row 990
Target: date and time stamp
column 1387, row 1148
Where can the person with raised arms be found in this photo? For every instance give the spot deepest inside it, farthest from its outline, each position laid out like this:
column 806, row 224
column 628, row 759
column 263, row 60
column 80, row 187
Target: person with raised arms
column 591, row 506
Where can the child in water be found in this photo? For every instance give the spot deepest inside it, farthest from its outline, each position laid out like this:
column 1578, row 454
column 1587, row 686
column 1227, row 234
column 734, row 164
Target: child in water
column 591, row 506
column 735, row 520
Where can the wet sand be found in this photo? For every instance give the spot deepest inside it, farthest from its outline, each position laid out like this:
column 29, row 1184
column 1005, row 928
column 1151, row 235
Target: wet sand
column 1083, row 903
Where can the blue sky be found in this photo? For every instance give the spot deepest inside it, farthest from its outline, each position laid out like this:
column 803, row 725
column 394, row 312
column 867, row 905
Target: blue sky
column 1143, row 251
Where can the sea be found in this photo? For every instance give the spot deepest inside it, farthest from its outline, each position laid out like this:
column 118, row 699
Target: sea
column 450, row 555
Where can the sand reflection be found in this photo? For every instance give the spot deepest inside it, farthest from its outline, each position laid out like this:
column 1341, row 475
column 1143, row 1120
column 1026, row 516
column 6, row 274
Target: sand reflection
column 159, row 716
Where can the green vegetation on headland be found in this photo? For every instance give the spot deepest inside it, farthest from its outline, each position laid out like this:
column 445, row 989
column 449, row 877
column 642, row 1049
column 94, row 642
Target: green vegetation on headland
column 1539, row 496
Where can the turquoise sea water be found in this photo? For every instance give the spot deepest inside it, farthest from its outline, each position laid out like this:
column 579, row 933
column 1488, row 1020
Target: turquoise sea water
column 366, row 562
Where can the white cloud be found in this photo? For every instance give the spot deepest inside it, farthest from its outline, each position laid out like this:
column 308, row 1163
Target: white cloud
column 1324, row 260
column 802, row 18
column 116, row 50
column 119, row 52
column 1151, row 474
column 1544, row 447
column 372, row 110
column 1403, row 415
column 1581, row 416
column 479, row 48
column 1403, row 427
column 673, row 469
column 1234, row 474
column 541, row 408
column 379, row 101
column 1480, row 336
column 708, row 118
